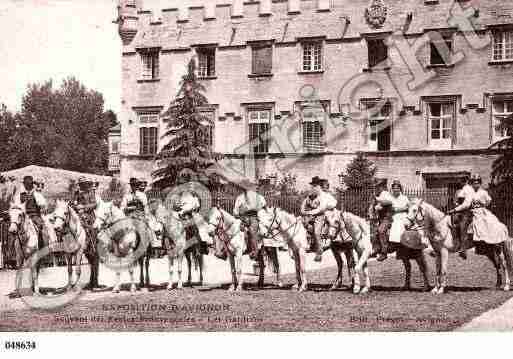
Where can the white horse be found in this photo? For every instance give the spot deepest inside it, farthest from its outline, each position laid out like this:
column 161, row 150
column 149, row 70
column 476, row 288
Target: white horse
column 66, row 218
column 345, row 227
column 438, row 228
column 106, row 215
column 226, row 229
column 22, row 226
column 274, row 220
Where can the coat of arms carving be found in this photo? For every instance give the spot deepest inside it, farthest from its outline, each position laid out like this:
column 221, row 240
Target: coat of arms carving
column 376, row 13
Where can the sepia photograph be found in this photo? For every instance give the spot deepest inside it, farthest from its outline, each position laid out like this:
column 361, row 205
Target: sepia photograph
column 255, row 166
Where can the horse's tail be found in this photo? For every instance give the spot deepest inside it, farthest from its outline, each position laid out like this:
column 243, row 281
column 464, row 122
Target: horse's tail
column 508, row 255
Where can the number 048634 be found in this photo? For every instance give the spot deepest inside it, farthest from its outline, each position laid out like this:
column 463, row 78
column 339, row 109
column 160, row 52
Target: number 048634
column 19, row 345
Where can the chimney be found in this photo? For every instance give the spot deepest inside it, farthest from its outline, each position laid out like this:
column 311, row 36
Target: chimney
column 323, row 5
column 210, row 10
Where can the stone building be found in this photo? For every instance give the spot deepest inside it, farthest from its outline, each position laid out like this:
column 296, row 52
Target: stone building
column 301, row 86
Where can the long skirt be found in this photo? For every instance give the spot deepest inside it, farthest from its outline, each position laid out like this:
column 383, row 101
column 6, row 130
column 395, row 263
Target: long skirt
column 487, row 228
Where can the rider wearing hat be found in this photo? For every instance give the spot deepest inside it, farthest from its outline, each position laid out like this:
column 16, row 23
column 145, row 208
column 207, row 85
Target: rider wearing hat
column 84, row 202
column 381, row 212
column 246, row 208
column 313, row 209
column 135, row 202
column 35, row 204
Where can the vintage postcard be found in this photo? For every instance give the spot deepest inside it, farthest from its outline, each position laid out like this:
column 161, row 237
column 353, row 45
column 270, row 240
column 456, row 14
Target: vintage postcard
column 256, row 166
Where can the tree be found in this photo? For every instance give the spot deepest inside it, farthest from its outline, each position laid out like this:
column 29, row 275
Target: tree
column 187, row 132
column 63, row 128
column 8, row 124
column 360, row 173
column 502, row 167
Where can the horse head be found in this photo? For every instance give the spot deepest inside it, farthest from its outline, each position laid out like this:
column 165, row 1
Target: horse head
column 215, row 221
column 61, row 215
column 335, row 223
column 415, row 213
column 269, row 221
column 103, row 215
column 16, row 217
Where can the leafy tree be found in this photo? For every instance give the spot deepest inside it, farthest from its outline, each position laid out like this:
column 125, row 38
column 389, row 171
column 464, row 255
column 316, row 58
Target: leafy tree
column 502, row 167
column 187, row 132
column 8, row 124
column 63, row 128
column 360, row 173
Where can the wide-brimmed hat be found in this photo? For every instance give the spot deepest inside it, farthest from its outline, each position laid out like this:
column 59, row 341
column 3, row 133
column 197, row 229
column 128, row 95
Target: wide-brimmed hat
column 28, row 178
column 134, row 181
column 476, row 178
column 316, row 181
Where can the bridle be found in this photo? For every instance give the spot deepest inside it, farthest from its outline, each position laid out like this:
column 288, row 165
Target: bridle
column 419, row 217
column 269, row 228
column 66, row 222
column 338, row 227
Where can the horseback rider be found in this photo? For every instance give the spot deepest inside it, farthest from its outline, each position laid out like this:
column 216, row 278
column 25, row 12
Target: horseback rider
column 381, row 212
column 463, row 218
column 135, row 202
column 484, row 225
column 400, row 205
column 312, row 209
column 35, row 205
column 246, row 208
column 84, row 202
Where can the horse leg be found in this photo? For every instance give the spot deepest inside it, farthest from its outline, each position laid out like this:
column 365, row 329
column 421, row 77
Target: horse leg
column 261, row 265
column 147, row 265
column 407, row 271
column 302, row 269
column 35, row 277
column 69, row 262
column 295, row 254
column 357, row 274
column 444, row 261
column 141, row 271
column 234, row 274
column 133, row 287
column 340, row 266
column 238, row 271
column 170, row 263
column 438, row 271
column 366, row 279
column 188, row 258
column 421, row 262
column 492, row 255
column 200, row 263
column 276, row 264
column 179, row 285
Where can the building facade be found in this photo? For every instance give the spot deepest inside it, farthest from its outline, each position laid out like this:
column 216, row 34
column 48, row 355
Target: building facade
column 301, row 86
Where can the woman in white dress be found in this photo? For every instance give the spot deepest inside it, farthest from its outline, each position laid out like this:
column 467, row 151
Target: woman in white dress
column 485, row 226
column 400, row 204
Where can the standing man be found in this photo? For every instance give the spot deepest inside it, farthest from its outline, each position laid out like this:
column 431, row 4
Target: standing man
column 463, row 215
column 135, row 203
column 313, row 209
column 246, row 208
column 35, row 205
column 84, row 203
column 381, row 212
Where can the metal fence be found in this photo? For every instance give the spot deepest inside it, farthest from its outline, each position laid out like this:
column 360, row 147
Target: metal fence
column 355, row 201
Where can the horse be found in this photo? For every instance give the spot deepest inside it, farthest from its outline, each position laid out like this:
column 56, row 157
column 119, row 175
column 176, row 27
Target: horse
column 65, row 218
column 106, row 215
column 357, row 250
column 26, row 232
column 291, row 228
column 178, row 246
column 438, row 226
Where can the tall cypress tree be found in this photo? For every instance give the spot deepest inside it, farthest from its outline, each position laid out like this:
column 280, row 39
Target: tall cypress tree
column 187, row 133
column 360, row 173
